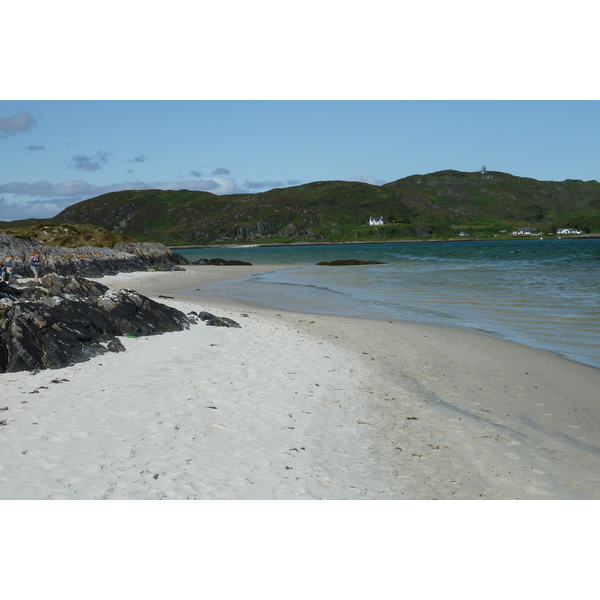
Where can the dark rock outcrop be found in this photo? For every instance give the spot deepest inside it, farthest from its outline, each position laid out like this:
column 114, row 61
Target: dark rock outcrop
column 156, row 253
column 214, row 321
column 132, row 313
column 88, row 261
column 55, row 285
column 69, row 320
column 220, row 262
column 342, row 262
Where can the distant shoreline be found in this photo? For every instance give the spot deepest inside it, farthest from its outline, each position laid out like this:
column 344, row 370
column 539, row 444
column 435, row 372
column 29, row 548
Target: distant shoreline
column 361, row 243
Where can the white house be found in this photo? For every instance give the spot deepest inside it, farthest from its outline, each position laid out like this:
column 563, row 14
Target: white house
column 375, row 220
column 568, row 231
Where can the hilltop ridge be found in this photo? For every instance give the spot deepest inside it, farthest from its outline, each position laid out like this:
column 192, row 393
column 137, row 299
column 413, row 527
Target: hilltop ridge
column 438, row 205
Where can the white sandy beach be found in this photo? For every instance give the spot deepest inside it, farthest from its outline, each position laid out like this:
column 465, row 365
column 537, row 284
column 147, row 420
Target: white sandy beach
column 295, row 406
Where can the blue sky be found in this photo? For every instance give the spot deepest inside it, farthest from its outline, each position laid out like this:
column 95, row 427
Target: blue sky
column 56, row 153
column 244, row 97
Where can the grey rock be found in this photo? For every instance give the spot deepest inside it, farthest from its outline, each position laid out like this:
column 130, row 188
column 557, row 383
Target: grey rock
column 115, row 345
column 41, row 331
column 88, row 261
column 55, row 285
column 214, row 321
column 220, row 262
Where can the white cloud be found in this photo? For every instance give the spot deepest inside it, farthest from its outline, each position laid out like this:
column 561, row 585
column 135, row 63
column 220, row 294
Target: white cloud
column 139, row 159
column 262, row 185
column 50, row 198
column 18, row 123
column 77, row 187
column 89, row 163
column 215, row 185
column 368, row 179
column 221, row 171
column 44, row 188
column 35, row 209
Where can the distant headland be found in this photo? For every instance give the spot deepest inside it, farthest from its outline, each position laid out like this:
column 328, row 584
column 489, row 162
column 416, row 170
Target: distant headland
column 438, row 206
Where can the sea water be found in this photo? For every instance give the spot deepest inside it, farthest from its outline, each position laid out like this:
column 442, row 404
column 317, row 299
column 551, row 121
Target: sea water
column 541, row 293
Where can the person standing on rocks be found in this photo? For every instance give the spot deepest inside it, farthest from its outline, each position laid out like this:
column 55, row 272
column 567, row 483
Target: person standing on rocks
column 36, row 261
column 5, row 272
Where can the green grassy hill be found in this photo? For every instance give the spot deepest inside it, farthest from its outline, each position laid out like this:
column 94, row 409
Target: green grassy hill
column 64, row 235
column 438, row 205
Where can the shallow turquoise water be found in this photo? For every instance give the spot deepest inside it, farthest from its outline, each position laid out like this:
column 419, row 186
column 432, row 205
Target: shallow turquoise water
column 541, row 293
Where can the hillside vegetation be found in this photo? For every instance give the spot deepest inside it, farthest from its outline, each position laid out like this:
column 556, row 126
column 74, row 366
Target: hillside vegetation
column 64, row 235
column 436, row 206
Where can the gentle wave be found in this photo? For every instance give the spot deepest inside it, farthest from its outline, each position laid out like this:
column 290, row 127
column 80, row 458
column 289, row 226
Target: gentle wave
column 541, row 293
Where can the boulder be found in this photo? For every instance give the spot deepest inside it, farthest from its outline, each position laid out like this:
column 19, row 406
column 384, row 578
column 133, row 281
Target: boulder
column 351, row 261
column 8, row 291
column 43, row 335
column 153, row 252
column 132, row 313
column 56, row 285
column 221, row 262
column 214, row 321
column 72, row 320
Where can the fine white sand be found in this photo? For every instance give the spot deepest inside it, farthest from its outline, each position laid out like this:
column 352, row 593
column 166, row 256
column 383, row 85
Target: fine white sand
column 297, row 406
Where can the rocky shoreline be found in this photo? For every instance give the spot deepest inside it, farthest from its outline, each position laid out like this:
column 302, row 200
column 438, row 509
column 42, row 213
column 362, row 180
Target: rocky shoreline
column 67, row 318
column 87, row 261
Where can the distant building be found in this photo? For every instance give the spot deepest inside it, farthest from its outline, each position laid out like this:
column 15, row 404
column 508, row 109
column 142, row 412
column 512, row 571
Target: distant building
column 463, row 233
column 568, row 231
column 375, row 220
column 524, row 231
